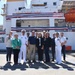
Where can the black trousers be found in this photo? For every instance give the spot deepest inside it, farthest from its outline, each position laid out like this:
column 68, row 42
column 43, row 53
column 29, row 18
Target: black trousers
column 16, row 54
column 47, row 57
column 53, row 53
column 40, row 54
column 64, row 52
column 9, row 52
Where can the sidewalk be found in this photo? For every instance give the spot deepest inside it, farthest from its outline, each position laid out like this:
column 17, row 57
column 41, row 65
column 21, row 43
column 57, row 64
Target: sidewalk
column 37, row 68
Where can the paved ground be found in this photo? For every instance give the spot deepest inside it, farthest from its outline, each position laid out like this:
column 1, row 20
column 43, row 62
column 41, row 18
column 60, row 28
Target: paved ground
column 67, row 68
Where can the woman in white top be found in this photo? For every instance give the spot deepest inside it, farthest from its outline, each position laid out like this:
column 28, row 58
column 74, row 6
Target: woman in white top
column 8, row 47
column 58, row 48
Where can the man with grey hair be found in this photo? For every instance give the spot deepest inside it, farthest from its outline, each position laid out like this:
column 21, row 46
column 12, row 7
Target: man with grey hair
column 63, row 42
column 32, row 47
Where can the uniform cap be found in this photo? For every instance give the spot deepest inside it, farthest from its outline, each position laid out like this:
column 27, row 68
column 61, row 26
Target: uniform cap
column 23, row 30
column 33, row 31
column 44, row 31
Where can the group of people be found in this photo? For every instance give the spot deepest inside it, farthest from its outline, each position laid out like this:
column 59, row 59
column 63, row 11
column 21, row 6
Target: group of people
column 25, row 46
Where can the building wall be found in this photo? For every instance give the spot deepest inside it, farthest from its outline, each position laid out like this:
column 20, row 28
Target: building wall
column 13, row 6
column 71, row 38
column 35, row 23
column 8, row 26
column 2, row 44
column 49, row 8
column 1, row 27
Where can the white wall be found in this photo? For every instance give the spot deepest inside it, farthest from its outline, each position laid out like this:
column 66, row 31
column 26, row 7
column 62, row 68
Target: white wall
column 4, row 22
column 13, row 22
column 8, row 26
column 71, row 39
column 51, row 24
column 2, row 45
column 48, row 8
column 12, row 7
column 35, row 23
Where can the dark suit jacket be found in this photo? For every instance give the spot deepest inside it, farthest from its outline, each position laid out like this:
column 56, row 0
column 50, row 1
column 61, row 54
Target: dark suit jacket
column 37, row 42
column 47, row 42
column 53, row 42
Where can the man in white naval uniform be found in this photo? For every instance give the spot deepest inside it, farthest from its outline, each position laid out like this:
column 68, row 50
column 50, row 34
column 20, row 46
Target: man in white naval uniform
column 24, row 43
column 58, row 48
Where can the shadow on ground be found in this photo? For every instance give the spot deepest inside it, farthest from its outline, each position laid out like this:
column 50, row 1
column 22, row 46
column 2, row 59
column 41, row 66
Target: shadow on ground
column 38, row 65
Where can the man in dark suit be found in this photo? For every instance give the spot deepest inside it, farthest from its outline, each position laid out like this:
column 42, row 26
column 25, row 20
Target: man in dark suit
column 47, row 45
column 53, row 47
column 40, row 46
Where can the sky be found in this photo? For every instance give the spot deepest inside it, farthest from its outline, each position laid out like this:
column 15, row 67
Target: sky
column 1, row 18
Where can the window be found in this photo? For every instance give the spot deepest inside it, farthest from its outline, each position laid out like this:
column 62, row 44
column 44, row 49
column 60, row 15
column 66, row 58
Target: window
column 18, row 23
column 54, row 3
column 1, row 39
column 21, row 8
column 45, row 3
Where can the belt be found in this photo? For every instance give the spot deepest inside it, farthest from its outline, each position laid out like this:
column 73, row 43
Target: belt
column 32, row 44
column 23, row 44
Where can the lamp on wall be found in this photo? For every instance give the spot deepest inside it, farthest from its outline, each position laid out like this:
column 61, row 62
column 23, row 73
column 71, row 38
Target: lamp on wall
column 22, row 21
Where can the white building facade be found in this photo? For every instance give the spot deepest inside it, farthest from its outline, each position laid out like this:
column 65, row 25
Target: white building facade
column 34, row 13
column 19, row 14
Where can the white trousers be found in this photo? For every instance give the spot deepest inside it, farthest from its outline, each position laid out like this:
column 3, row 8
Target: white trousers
column 58, row 54
column 22, row 53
